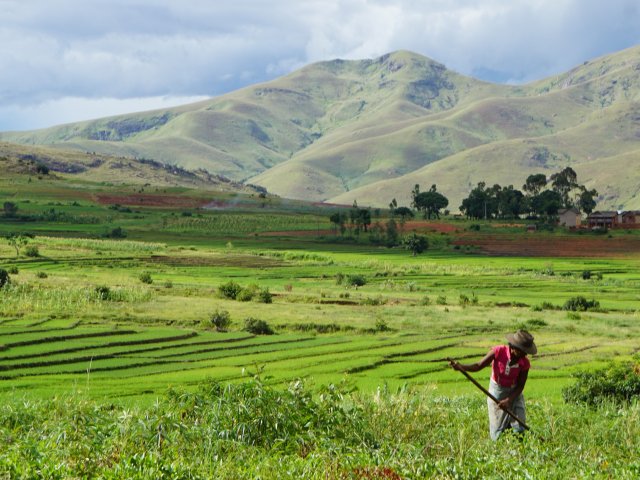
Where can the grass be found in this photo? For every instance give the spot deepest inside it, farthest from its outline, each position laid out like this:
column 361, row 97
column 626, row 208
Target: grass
column 141, row 386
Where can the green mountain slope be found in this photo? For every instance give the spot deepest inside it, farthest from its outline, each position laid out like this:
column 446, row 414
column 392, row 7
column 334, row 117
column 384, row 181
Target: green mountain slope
column 369, row 130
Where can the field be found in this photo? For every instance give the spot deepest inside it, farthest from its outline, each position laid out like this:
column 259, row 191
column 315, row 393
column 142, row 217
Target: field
column 90, row 324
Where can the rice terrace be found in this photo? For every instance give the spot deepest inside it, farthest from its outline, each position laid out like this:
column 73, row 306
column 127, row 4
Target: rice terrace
column 267, row 344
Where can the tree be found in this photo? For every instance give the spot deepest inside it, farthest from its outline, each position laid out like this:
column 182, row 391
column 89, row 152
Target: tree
column 414, row 193
column 587, row 200
column 415, row 243
column 534, row 184
column 431, row 202
column 563, row 183
column 476, row 204
column 404, row 213
column 393, row 204
column 18, row 240
column 338, row 219
column 10, row 209
column 511, row 202
column 547, row 203
column 391, row 233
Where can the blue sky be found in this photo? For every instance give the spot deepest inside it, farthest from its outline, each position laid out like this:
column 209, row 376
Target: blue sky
column 68, row 60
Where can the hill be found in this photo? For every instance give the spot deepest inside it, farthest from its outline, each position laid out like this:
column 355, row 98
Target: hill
column 75, row 166
column 369, row 130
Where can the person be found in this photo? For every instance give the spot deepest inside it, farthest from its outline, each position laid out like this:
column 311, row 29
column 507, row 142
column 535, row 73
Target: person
column 509, row 372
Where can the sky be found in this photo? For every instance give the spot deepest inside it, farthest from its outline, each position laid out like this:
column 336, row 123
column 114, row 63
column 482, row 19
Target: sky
column 68, row 60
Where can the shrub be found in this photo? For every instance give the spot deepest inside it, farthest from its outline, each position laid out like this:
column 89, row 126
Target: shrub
column 356, row 280
column 246, row 294
column 339, row 278
column 220, row 320
column 580, row 304
column 375, row 301
column 264, row 296
column 116, row 232
column 618, row 382
column 103, row 292
column 4, row 277
column 229, row 290
column 41, row 275
column 257, row 326
column 32, row 251
column 168, row 284
column 381, row 325
column 441, row 300
column 425, row 301
column 586, row 274
column 145, row 277
column 13, row 270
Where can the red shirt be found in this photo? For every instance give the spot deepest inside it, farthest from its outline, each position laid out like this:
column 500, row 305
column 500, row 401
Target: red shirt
column 504, row 374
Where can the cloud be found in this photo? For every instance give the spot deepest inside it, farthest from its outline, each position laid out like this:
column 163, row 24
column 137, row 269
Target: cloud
column 51, row 50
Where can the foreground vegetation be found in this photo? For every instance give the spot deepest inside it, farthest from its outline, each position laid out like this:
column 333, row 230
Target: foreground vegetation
column 253, row 431
column 255, row 342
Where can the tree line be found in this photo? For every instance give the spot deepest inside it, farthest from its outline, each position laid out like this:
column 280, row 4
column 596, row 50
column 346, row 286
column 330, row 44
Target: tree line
column 542, row 197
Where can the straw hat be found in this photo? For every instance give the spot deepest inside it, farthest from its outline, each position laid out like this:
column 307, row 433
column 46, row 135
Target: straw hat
column 522, row 340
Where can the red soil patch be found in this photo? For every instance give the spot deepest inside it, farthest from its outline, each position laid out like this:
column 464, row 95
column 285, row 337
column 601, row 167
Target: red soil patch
column 150, row 200
column 569, row 246
column 424, row 226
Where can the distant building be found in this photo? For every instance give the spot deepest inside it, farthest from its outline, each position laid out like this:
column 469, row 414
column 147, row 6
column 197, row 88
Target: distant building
column 569, row 217
column 631, row 217
column 609, row 219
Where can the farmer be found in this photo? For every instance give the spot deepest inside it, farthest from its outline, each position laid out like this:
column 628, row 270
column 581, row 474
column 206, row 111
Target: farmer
column 509, row 371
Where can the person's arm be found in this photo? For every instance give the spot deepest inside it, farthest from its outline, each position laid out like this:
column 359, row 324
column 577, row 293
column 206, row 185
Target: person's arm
column 522, row 380
column 474, row 367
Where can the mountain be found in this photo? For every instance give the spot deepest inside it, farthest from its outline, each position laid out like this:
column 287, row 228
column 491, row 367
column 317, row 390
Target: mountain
column 79, row 168
column 369, row 130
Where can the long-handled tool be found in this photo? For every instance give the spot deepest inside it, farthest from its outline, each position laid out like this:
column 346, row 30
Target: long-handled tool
column 508, row 411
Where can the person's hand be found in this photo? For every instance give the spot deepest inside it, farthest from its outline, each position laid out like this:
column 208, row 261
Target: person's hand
column 505, row 403
column 455, row 365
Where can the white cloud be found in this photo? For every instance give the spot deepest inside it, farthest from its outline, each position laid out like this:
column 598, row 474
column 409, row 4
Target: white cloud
column 73, row 109
column 52, row 50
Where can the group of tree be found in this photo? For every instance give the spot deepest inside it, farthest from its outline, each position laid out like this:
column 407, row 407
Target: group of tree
column 542, row 197
column 355, row 221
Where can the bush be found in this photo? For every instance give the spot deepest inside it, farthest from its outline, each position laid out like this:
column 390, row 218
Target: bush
column 425, row 301
column 580, row 304
column 4, row 277
column 103, row 292
column 264, row 296
column 145, row 277
column 13, row 270
column 116, row 232
column 356, row 280
column 586, row 274
column 339, row 278
column 257, row 326
column 41, row 275
column 619, row 383
column 247, row 293
column 441, row 300
column 229, row 290
column 32, row 251
column 382, row 326
column 220, row 320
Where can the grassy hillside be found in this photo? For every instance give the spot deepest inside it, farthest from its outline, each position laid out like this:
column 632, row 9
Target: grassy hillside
column 71, row 168
column 351, row 130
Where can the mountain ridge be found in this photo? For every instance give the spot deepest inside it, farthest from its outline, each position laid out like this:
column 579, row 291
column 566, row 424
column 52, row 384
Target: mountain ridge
column 365, row 130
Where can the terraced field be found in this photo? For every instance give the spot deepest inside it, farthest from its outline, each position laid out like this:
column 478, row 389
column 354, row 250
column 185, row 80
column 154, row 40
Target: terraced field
column 66, row 356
